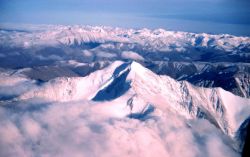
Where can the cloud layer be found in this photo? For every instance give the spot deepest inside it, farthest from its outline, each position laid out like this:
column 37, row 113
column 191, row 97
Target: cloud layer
column 83, row 129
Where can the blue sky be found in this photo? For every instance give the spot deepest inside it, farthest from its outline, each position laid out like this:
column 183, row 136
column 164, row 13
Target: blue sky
column 211, row 16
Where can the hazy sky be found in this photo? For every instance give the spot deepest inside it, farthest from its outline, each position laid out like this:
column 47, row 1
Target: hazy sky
column 212, row 16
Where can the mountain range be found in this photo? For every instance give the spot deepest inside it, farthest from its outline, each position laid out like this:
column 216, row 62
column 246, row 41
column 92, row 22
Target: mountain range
column 86, row 91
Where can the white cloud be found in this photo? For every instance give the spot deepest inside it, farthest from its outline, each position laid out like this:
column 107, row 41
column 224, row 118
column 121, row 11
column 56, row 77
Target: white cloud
column 78, row 129
column 105, row 54
column 50, row 57
column 13, row 84
column 87, row 53
column 131, row 55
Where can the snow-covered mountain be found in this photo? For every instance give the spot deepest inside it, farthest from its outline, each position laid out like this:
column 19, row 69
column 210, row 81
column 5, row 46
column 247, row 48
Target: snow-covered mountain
column 80, row 50
column 149, row 40
column 86, row 43
column 133, row 81
column 128, row 90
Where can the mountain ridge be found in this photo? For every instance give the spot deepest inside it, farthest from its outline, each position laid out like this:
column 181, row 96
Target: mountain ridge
column 137, row 87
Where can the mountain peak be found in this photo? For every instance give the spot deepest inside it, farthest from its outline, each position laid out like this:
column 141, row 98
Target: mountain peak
column 137, row 67
column 120, row 81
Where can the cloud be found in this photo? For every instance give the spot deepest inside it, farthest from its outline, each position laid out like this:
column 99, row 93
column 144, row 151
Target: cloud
column 131, row 55
column 84, row 129
column 12, row 85
column 50, row 57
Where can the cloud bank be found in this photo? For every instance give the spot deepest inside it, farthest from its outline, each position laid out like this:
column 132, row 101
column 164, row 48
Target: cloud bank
column 83, row 129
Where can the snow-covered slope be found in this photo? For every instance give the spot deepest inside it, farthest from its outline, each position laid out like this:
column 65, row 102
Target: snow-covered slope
column 233, row 77
column 136, row 88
